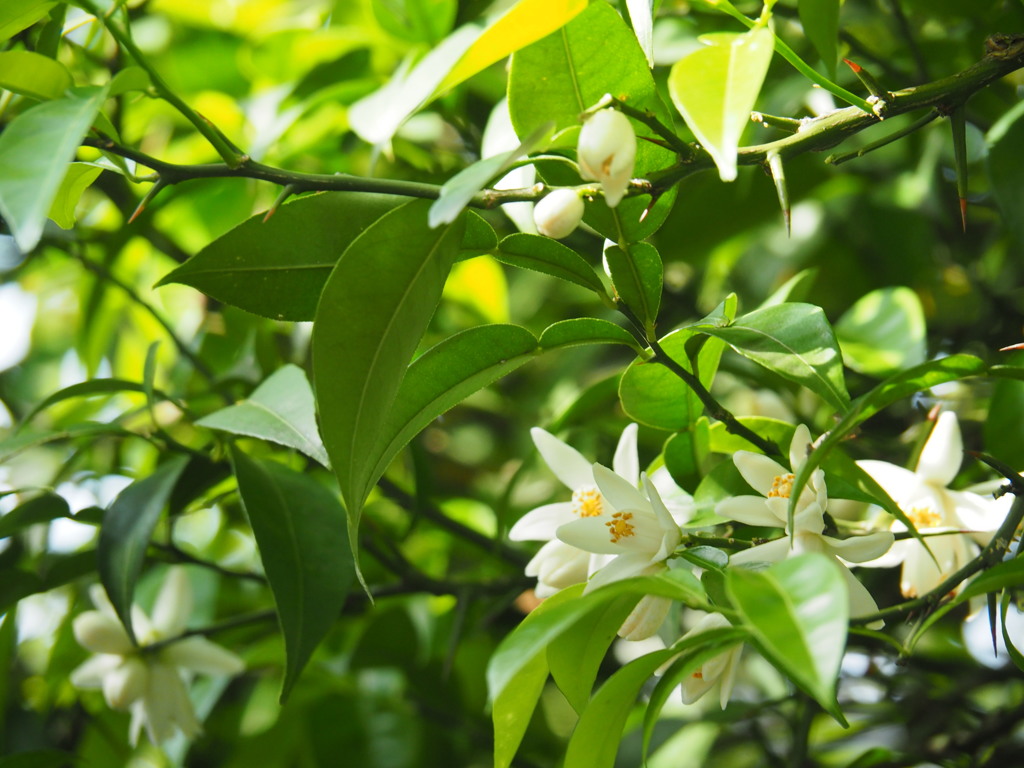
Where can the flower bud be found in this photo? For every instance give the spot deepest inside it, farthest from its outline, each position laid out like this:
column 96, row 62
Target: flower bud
column 606, row 151
column 558, row 214
column 645, row 620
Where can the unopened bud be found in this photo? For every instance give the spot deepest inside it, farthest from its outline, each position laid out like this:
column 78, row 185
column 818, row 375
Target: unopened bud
column 606, row 152
column 558, row 214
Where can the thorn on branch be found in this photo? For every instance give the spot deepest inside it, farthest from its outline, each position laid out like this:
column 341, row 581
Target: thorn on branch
column 879, row 96
column 286, row 192
column 153, row 192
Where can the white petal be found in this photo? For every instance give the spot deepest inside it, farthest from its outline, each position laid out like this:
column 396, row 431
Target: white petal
column 558, row 565
column 615, row 186
column 861, row 601
column 166, row 705
column 626, row 462
column 771, row 552
column 201, row 655
column 678, row 502
column 99, row 598
column 646, row 618
column 980, row 515
column 759, row 471
column 126, row 683
column 799, row 446
column 99, row 633
column 589, row 534
column 622, row 567
column 895, row 556
column 618, row 491
column 752, row 510
column 943, row 452
column 859, row 549
column 92, row 672
column 564, row 461
column 729, row 674
column 173, row 606
column 633, row 530
column 541, row 523
column 901, row 484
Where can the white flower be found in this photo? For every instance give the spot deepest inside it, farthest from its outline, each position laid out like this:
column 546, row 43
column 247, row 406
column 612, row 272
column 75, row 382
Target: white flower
column 720, row 668
column 775, row 483
column 606, row 152
column 149, row 683
column 933, row 508
column 559, row 213
column 558, row 565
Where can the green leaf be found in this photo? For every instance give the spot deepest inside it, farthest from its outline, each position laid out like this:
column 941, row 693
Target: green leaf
column 445, row 375
column 686, row 453
column 372, row 313
column 1006, row 168
column 39, row 758
column 595, row 740
column 87, row 389
column 280, row 410
column 76, row 181
column 419, row 21
column 35, row 149
column 127, row 528
column 715, row 88
column 795, row 341
column 16, row 16
column 820, row 20
column 34, row 75
column 797, row 611
column 568, row 72
column 130, row 79
column 41, row 509
column 884, row 332
column 301, row 534
column 1004, row 424
column 542, row 254
column 53, row 571
column 575, row 659
column 637, row 274
column 514, row 707
column 586, row 330
column 12, row 446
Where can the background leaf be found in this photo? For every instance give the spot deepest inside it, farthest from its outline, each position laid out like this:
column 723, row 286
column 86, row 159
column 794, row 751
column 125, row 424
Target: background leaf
column 300, row 530
column 883, row 332
column 542, row 254
column 34, row 75
column 820, row 20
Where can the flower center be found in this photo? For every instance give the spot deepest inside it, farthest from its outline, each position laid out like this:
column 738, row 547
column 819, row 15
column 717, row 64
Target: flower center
column 924, row 517
column 587, row 502
column 698, row 675
column 782, row 486
column 620, row 526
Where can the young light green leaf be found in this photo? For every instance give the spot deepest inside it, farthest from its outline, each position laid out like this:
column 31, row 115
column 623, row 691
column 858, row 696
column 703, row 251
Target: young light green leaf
column 715, row 88
column 542, row 254
column 34, row 75
column 795, row 341
column 820, row 20
column 127, row 528
column 301, row 534
column 883, row 332
column 76, row 181
column 35, row 149
column 280, row 410
column 372, row 313
column 797, row 611
column 586, row 330
column 637, row 274
column 445, row 375
column 568, row 72
column 17, row 16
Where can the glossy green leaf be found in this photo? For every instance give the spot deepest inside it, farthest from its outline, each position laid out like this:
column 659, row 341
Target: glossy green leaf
column 796, row 342
column 586, row 330
column 78, row 178
column 542, row 254
column 595, row 740
column 127, row 529
column 797, row 611
column 1006, row 168
column 715, row 88
column 568, row 72
column 445, row 375
column 130, row 79
column 372, row 313
column 514, row 707
column 300, row 530
column 820, row 20
column 41, row 509
column 35, row 149
column 883, row 332
column 32, row 74
column 280, row 410
column 16, row 16
column 637, row 274
column 575, row 659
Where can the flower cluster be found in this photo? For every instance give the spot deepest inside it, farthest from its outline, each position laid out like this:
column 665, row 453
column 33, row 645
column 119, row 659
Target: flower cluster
column 149, row 682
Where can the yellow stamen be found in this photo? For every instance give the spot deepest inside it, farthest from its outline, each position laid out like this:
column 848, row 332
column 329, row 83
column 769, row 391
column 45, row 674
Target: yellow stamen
column 924, row 517
column 620, row 526
column 782, row 487
column 587, row 502
column 698, row 675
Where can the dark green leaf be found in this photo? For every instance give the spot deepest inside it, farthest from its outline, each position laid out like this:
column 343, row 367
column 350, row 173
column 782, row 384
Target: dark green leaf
column 551, row 257
column 797, row 610
column 586, row 330
column 820, row 20
column 795, row 341
column 12, row 446
column 300, row 530
column 1006, row 168
column 373, row 311
column 127, row 528
column 53, row 571
column 39, row 758
column 41, row 509
column 637, row 275
column 280, row 410
column 87, row 389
